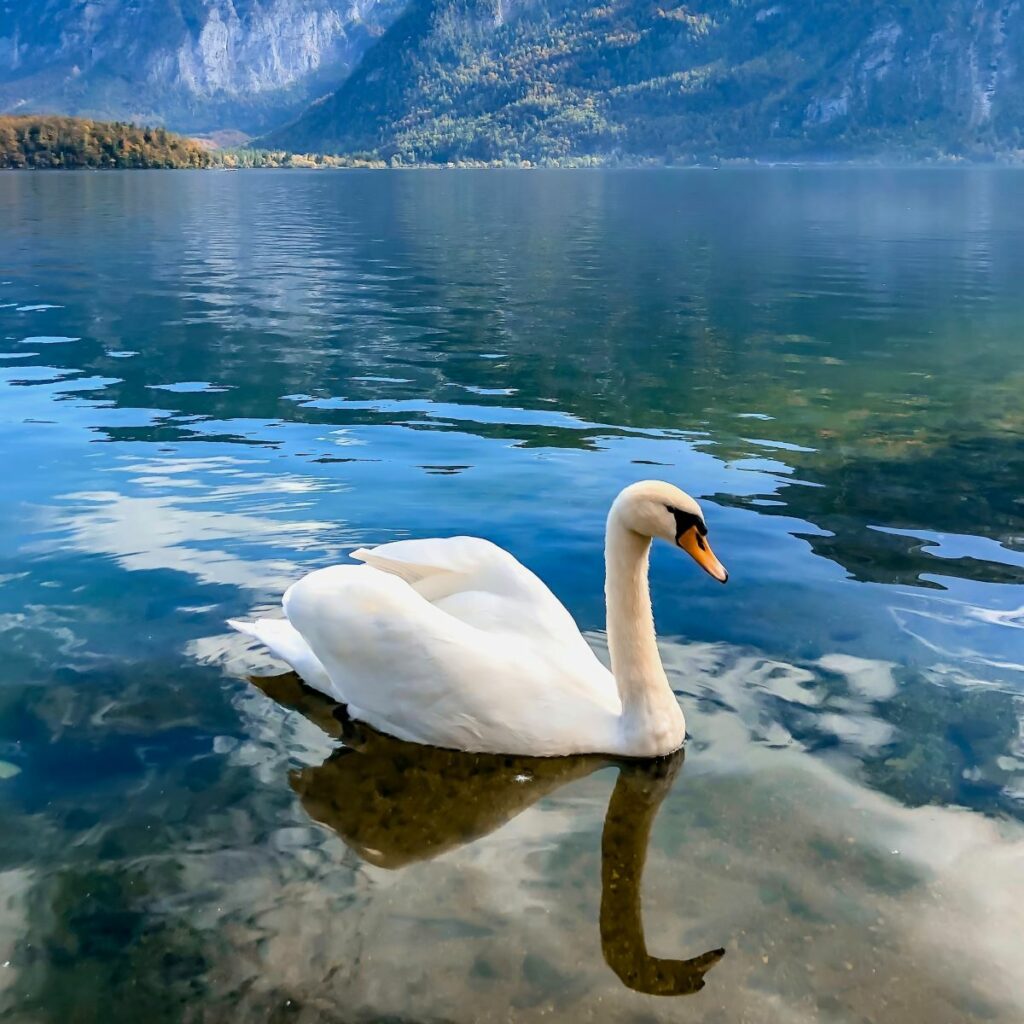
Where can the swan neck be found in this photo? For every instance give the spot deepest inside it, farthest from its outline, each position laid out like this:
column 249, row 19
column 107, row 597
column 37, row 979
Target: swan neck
column 652, row 720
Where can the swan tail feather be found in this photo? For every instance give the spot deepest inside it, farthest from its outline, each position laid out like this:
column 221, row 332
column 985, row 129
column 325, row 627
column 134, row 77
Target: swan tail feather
column 278, row 635
column 286, row 643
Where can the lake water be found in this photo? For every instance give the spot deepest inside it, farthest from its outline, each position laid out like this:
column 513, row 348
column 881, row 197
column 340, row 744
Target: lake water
column 211, row 383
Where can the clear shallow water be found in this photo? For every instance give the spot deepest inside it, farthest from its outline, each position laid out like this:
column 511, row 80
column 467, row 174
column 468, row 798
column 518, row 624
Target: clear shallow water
column 212, row 383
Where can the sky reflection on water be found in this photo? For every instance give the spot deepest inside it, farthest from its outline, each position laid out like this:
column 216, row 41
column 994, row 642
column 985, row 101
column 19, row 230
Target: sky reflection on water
column 213, row 383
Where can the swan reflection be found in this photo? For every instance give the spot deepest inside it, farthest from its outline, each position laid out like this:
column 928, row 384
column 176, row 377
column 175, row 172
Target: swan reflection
column 395, row 803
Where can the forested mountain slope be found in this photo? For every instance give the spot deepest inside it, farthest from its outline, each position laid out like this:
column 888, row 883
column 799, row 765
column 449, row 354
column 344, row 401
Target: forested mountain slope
column 557, row 80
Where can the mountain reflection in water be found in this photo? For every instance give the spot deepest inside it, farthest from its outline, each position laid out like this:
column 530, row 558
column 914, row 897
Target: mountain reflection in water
column 395, row 803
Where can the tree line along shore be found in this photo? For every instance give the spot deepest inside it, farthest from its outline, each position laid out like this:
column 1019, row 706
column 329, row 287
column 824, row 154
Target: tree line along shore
column 30, row 142
column 44, row 142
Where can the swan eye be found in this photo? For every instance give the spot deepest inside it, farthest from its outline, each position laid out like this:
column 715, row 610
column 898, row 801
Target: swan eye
column 688, row 521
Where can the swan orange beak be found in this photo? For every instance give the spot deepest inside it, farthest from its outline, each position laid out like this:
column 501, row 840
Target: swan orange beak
column 698, row 548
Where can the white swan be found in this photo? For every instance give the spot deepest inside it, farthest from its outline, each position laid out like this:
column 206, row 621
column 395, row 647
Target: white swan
column 454, row 643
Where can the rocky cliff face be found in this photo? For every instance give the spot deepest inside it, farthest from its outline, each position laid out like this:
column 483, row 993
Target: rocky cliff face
column 193, row 65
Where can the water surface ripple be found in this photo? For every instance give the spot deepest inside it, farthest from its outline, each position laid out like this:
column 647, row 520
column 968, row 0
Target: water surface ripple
column 211, row 383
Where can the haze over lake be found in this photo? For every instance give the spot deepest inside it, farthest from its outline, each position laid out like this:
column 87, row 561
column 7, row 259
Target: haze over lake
column 212, row 383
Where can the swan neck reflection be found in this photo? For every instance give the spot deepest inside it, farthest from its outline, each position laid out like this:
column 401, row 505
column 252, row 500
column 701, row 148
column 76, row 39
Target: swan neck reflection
column 395, row 803
column 639, row 792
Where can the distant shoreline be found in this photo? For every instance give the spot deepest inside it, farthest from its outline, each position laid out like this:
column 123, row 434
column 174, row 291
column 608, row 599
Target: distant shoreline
column 751, row 165
column 45, row 143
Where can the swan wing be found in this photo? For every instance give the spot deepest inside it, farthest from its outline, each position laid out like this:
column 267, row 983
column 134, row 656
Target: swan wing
column 485, row 586
column 407, row 666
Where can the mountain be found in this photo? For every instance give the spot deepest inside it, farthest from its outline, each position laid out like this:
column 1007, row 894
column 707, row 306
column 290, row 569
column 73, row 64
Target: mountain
column 193, row 65
column 571, row 80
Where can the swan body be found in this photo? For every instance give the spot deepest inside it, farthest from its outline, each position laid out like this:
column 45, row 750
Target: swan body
column 454, row 643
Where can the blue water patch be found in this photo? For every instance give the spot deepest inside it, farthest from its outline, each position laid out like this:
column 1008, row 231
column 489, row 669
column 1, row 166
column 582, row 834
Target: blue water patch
column 312, row 363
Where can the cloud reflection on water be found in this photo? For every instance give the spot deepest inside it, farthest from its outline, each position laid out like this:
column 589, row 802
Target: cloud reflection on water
column 747, row 852
column 854, row 692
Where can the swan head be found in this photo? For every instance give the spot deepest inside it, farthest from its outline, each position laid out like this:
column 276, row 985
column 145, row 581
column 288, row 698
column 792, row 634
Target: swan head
column 653, row 508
